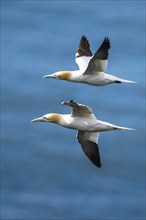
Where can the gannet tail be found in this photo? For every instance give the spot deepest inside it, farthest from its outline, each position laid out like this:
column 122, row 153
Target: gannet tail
column 126, row 81
column 124, row 128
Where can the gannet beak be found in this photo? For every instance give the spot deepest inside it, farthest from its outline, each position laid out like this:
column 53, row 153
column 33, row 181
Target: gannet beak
column 53, row 76
column 40, row 119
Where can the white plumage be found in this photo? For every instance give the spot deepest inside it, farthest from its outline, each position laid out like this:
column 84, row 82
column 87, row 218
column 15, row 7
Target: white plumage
column 88, row 126
column 91, row 67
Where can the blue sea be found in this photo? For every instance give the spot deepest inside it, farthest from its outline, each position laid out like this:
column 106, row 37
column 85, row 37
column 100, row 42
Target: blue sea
column 44, row 172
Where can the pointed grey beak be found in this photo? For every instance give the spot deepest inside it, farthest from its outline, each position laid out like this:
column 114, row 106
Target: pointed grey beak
column 53, row 76
column 40, row 119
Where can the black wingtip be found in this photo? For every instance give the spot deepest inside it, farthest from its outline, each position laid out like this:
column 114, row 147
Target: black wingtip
column 98, row 165
column 107, row 42
column 71, row 101
column 83, row 37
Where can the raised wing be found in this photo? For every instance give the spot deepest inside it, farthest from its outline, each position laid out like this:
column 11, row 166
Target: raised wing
column 79, row 110
column 88, row 143
column 84, row 48
column 83, row 54
column 102, row 52
column 98, row 63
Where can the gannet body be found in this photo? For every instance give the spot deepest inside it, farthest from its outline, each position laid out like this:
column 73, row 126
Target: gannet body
column 91, row 67
column 83, row 120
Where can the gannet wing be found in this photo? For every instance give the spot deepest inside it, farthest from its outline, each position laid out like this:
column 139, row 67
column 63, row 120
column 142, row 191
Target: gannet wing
column 79, row 110
column 83, row 54
column 84, row 48
column 99, row 61
column 88, row 143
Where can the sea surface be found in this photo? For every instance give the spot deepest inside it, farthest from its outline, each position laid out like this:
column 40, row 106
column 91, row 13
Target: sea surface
column 44, row 173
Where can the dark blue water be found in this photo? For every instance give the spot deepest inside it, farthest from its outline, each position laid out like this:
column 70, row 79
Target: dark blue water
column 45, row 174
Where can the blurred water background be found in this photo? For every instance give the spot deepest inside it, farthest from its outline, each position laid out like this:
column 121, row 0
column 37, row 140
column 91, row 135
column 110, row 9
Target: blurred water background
column 45, row 174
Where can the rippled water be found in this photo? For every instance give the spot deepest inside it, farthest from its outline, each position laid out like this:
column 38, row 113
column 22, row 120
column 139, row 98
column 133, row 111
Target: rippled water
column 45, row 174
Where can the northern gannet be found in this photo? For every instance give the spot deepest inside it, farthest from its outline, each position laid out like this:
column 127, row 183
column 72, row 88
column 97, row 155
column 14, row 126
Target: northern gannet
column 91, row 67
column 84, row 121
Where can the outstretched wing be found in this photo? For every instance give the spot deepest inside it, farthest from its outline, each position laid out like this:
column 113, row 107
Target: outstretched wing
column 83, row 54
column 88, row 143
column 98, row 63
column 79, row 110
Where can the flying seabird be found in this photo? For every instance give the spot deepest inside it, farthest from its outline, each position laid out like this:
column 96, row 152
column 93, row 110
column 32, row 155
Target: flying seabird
column 91, row 67
column 88, row 126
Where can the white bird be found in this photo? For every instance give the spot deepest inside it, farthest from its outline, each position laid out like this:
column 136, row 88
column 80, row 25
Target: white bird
column 88, row 126
column 91, row 67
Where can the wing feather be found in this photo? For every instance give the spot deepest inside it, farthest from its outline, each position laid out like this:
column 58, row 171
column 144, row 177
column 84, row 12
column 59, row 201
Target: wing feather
column 89, row 146
column 84, row 48
column 83, row 54
column 79, row 110
column 98, row 63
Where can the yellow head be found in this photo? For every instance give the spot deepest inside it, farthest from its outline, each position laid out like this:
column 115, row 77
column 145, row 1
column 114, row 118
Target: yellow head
column 63, row 75
column 52, row 117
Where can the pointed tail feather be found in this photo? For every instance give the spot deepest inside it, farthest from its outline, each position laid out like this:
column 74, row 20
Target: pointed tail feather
column 127, row 81
column 124, row 128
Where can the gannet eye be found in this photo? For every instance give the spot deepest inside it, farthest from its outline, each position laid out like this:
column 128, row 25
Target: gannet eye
column 44, row 117
column 56, row 76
